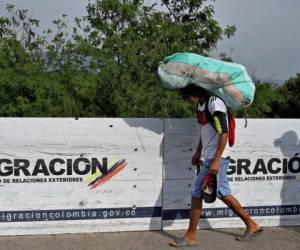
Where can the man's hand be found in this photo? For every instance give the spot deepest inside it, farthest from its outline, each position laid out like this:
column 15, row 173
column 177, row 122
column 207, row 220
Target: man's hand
column 214, row 167
column 196, row 159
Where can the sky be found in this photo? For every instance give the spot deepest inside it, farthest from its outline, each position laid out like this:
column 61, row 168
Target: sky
column 267, row 40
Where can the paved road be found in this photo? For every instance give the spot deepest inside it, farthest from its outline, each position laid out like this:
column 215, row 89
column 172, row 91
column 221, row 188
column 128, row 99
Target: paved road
column 274, row 238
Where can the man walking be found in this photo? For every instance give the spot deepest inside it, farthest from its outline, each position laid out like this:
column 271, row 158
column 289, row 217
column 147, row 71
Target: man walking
column 213, row 148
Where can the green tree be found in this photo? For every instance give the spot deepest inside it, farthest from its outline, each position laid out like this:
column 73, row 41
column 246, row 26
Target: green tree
column 39, row 78
column 108, row 65
column 131, row 38
column 288, row 103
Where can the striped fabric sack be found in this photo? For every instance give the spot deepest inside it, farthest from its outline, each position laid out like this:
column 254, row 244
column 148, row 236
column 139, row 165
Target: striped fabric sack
column 228, row 81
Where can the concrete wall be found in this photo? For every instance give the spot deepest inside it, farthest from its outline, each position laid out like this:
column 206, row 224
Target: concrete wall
column 63, row 175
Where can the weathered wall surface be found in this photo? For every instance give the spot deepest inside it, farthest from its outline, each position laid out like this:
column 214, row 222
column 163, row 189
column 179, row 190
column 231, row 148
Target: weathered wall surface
column 63, row 175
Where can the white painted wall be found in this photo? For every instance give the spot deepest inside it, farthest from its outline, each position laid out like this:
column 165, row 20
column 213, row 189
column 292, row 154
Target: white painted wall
column 262, row 139
column 138, row 185
column 153, row 190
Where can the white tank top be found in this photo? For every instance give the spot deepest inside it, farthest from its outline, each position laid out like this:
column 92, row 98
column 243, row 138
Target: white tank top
column 209, row 137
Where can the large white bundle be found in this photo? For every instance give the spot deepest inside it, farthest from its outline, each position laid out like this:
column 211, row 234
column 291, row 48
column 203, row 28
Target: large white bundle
column 229, row 81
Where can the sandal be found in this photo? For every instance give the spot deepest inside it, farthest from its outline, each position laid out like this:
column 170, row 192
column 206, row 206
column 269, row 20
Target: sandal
column 247, row 236
column 182, row 242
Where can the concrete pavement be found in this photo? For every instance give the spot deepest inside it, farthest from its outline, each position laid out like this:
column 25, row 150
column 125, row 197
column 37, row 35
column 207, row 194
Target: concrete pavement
column 275, row 238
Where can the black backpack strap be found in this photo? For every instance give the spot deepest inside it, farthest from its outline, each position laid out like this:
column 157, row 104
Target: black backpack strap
column 208, row 115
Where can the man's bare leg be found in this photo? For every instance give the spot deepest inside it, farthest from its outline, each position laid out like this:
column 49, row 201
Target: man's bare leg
column 195, row 213
column 234, row 204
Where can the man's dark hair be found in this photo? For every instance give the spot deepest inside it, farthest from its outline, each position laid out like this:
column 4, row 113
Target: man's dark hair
column 193, row 90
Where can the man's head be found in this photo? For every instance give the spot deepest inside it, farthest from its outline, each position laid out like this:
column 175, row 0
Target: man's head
column 194, row 93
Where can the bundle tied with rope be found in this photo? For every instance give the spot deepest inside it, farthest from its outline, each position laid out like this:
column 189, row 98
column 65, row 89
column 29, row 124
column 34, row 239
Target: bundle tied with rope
column 228, row 81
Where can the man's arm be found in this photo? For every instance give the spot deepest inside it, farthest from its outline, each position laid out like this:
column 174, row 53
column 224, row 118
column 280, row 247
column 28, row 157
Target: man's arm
column 221, row 146
column 215, row 165
column 221, row 125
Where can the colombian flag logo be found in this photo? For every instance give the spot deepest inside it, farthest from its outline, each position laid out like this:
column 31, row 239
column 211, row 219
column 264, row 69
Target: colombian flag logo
column 98, row 178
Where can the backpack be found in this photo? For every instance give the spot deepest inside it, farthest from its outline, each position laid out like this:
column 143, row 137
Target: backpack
column 231, row 124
